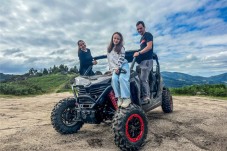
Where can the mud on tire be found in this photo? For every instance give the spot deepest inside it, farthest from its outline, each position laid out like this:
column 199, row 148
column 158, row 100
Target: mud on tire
column 167, row 101
column 130, row 127
column 62, row 117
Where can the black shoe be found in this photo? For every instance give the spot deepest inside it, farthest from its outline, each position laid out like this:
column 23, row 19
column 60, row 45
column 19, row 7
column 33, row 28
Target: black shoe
column 146, row 101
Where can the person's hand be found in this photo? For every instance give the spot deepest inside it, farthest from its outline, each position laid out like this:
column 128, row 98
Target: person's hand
column 136, row 54
column 94, row 62
column 117, row 70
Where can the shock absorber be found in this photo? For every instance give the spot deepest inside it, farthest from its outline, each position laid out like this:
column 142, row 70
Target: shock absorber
column 113, row 99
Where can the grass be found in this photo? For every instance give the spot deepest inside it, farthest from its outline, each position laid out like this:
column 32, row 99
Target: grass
column 38, row 85
column 50, row 83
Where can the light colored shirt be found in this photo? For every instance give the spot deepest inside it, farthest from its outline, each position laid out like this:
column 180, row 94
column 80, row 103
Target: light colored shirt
column 116, row 60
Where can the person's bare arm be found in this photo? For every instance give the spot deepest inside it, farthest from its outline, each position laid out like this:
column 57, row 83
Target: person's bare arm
column 146, row 49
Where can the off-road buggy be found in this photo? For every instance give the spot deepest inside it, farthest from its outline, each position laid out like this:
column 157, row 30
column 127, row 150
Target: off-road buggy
column 94, row 102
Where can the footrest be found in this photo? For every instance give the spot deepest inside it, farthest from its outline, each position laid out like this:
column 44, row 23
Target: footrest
column 144, row 103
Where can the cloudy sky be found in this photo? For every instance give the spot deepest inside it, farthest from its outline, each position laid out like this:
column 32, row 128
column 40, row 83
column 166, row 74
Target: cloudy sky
column 190, row 36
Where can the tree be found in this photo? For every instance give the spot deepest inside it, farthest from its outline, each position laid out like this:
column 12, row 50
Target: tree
column 74, row 70
column 55, row 69
column 35, row 71
column 45, row 72
column 63, row 68
column 31, row 71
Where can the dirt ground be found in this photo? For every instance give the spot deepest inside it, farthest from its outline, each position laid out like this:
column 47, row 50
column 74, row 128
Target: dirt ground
column 197, row 123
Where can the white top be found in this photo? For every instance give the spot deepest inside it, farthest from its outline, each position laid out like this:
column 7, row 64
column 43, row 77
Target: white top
column 116, row 60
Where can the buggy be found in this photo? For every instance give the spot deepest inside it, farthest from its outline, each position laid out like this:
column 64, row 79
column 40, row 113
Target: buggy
column 94, row 102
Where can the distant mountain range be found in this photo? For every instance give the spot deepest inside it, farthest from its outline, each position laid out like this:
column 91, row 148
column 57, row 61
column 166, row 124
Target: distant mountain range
column 171, row 79
column 176, row 79
column 4, row 77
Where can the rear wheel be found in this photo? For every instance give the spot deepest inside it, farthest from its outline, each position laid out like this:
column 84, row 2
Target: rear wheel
column 167, row 101
column 63, row 117
column 130, row 127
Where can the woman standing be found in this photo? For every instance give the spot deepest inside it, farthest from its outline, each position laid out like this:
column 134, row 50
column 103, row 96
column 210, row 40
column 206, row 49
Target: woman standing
column 86, row 60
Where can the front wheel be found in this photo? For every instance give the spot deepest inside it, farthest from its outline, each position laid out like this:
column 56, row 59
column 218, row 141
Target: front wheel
column 63, row 117
column 130, row 127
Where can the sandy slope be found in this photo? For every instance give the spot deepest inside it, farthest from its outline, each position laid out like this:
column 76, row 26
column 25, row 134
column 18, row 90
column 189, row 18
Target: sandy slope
column 197, row 123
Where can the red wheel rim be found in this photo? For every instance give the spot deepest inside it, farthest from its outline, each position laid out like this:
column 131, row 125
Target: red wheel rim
column 134, row 127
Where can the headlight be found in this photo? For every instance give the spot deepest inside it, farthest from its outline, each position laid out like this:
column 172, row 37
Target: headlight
column 82, row 81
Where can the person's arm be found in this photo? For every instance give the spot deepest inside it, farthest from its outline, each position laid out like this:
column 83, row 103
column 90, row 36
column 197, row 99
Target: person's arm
column 147, row 48
column 149, row 39
column 93, row 62
column 120, row 60
column 121, row 57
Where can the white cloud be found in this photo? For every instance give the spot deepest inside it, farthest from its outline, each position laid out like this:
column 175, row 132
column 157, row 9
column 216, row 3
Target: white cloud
column 218, row 56
column 187, row 34
column 213, row 40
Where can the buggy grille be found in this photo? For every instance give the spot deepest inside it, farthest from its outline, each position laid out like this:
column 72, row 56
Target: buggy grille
column 81, row 91
column 93, row 91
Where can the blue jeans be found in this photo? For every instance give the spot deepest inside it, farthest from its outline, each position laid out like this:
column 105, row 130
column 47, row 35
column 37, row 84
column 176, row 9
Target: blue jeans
column 120, row 83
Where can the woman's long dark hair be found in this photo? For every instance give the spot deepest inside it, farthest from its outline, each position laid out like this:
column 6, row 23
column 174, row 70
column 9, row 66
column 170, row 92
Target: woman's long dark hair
column 79, row 46
column 118, row 46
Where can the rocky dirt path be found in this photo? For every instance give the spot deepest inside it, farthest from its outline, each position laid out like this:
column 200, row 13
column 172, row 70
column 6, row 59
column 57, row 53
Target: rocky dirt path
column 197, row 123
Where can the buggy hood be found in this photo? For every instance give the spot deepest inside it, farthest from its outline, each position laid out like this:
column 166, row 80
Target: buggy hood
column 92, row 80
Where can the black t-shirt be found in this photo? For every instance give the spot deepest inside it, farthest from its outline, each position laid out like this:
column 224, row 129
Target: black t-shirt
column 85, row 60
column 147, row 37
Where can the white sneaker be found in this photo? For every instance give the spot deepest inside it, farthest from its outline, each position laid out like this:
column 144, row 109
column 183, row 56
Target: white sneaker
column 119, row 102
column 146, row 100
column 126, row 103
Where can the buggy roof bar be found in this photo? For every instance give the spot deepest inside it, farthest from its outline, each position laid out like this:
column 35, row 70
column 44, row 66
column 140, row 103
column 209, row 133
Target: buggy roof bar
column 128, row 56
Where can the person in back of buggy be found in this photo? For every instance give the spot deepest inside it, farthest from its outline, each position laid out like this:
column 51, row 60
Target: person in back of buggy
column 120, row 68
column 86, row 60
column 144, row 59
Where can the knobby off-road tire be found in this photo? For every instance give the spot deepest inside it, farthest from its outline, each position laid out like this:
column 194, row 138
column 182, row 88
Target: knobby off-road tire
column 130, row 126
column 167, row 101
column 62, row 117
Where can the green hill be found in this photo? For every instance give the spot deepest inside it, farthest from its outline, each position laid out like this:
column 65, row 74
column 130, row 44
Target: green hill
column 38, row 85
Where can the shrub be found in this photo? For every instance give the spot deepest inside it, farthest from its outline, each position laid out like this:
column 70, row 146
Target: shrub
column 219, row 90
